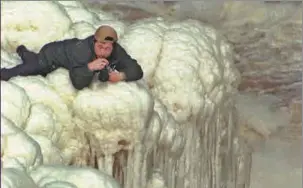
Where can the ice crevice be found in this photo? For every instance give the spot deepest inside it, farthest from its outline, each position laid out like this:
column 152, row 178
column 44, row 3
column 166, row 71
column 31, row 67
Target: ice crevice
column 175, row 128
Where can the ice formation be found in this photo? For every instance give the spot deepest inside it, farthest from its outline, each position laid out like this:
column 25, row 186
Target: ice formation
column 176, row 128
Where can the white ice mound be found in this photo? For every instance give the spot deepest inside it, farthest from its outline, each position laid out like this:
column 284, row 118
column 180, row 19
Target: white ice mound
column 80, row 178
column 14, row 178
column 25, row 25
column 51, row 153
column 15, row 103
column 60, row 81
column 78, row 14
column 113, row 112
column 9, row 60
column 83, row 29
column 134, row 41
column 186, row 64
column 18, row 150
column 55, row 176
column 43, row 121
column 39, row 90
column 193, row 73
column 85, row 20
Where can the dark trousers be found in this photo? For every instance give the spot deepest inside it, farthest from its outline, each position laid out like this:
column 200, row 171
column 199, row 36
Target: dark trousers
column 30, row 66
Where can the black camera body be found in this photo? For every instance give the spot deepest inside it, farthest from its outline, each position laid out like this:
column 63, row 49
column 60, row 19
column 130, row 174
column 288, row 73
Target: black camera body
column 104, row 73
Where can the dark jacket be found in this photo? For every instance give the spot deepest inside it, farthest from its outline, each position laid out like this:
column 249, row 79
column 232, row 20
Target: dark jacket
column 74, row 55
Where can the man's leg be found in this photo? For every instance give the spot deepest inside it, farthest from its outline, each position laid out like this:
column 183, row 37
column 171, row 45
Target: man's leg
column 30, row 65
column 21, row 70
column 26, row 55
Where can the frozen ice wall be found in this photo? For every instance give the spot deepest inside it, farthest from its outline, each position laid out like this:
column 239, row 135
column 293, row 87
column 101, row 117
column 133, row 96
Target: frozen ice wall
column 176, row 128
column 267, row 41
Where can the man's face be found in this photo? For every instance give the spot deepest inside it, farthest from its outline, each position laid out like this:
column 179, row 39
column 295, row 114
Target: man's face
column 103, row 49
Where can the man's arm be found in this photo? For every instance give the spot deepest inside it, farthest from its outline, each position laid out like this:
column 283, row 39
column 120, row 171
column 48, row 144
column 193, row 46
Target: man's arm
column 79, row 54
column 127, row 66
column 81, row 76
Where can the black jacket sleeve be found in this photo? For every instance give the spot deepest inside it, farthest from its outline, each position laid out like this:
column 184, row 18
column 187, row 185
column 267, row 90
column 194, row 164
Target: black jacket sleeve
column 81, row 76
column 79, row 55
column 127, row 65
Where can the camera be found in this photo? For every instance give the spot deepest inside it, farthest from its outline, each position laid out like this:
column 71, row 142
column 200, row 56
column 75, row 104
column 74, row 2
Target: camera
column 104, row 73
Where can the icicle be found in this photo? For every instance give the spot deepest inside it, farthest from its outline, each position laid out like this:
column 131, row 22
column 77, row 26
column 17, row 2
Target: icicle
column 108, row 161
column 100, row 163
column 130, row 175
column 201, row 153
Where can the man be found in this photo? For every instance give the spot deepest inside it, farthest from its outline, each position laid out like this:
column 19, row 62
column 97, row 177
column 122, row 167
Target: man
column 99, row 53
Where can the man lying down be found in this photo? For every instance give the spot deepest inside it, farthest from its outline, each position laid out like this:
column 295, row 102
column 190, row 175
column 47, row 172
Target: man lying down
column 97, row 54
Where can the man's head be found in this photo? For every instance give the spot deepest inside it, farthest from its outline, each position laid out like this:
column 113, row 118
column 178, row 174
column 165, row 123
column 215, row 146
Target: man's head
column 105, row 36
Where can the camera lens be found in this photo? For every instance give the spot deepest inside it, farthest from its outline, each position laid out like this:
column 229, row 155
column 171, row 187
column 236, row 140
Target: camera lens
column 103, row 75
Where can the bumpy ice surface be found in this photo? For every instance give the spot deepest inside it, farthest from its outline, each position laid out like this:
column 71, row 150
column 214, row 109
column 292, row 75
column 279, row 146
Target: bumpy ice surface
column 181, row 112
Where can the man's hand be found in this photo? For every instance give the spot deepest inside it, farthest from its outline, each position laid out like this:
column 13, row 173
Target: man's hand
column 97, row 64
column 115, row 76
